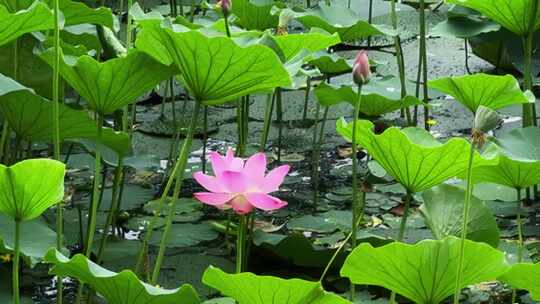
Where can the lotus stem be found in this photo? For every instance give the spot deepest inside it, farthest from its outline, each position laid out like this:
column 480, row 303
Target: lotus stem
column 354, row 226
column 16, row 262
column 113, row 211
column 466, row 46
column 192, row 11
column 317, row 157
column 56, row 135
column 241, row 243
column 306, row 98
column 423, row 50
column 279, row 117
column 270, row 98
column 178, row 173
column 520, row 236
column 227, row 27
column 528, row 109
column 205, row 138
column 95, row 201
column 4, row 137
column 465, row 217
column 370, row 17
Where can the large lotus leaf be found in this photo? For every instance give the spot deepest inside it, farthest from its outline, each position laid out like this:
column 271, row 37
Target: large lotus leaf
column 256, row 15
column 110, row 85
column 524, row 276
column 292, row 44
column 247, row 288
column 76, row 12
column 118, row 288
column 425, row 272
column 463, row 27
column 341, row 20
column 476, row 90
column 412, row 155
column 215, row 70
column 37, row 17
column 514, row 15
column 30, row 187
column 330, row 63
column 30, row 117
column 520, row 144
column 443, row 210
column 376, row 98
column 36, row 239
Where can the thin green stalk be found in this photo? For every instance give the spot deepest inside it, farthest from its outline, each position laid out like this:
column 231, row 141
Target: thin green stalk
column 417, row 89
column 178, row 173
column 16, row 262
column 205, row 138
column 400, row 60
column 423, row 50
column 355, row 219
column 267, row 120
column 129, row 29
column 241, row 243
column 370, row 17
column 520, row 237
column 241, row 143
column 466, row 46
column 95, row 202
column 113, row 210
column 306, row 98
column 56, row 135
column 279, row 118
column 192, row 12
column 4, row 137
column 227, row 29
column 465, row 218
column 529, row 110
column 316, row 161
column 315, row 157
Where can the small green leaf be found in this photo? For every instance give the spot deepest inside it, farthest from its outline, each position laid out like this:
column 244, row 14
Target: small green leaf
column 476, row 90
column 118, row 288
column 37, row 17
column 216, row 70
column 425, row 272
column 30, row 117
column 292, row 44
column 464, row 27
column 443, row 209
column 256, row 15
column 110, row 85
column 378, row 96
column 412, row 155
column 524, row 276
column 514, row 15
column 30, row 187
column 341, row 20
column 247, row 288
column 330, row 63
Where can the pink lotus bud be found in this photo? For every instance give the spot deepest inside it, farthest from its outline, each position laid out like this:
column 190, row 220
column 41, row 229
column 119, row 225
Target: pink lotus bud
column 226, row 6
column 361, row 72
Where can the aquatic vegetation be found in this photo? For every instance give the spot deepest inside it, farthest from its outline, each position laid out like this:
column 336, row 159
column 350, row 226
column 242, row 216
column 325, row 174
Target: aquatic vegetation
column 139, row 141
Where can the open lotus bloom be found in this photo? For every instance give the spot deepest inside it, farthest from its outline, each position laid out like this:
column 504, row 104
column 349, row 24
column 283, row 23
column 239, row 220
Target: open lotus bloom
column 241, row 185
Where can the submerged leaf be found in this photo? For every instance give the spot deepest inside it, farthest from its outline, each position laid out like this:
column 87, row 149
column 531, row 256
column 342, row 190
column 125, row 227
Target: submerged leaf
column 110, row 85
column 127, row 288
column 476, row 90
column 443, row 209
column 30, row 187
column 412, row 155
column 37, row 17
column 247, row 288
column 425, row 272
column 216, row 70
column 524, row 276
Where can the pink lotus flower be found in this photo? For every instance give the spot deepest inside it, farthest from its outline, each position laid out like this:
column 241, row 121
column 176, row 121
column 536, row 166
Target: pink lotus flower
column 361, row 72
column 241, row 185
column 226, row 6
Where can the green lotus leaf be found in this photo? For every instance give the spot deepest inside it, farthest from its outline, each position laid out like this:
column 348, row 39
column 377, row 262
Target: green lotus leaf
column 215, row 69
column 514, row 15
column 519, row 160
column 256, row 15
column 425, row 272
column 110, row 85
column 476, row 90
column 412, row 155
column 30, row 117
column 247, row 288
column 37, row 17
column 377, row 98
column 524, row 276
column 463, row 27
column 117, row 288
column 37, row 239
column 76, row 12
column 30, row 187
column 330, row 64
column 341, row 20
column 292, row 44
column 443, row 210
